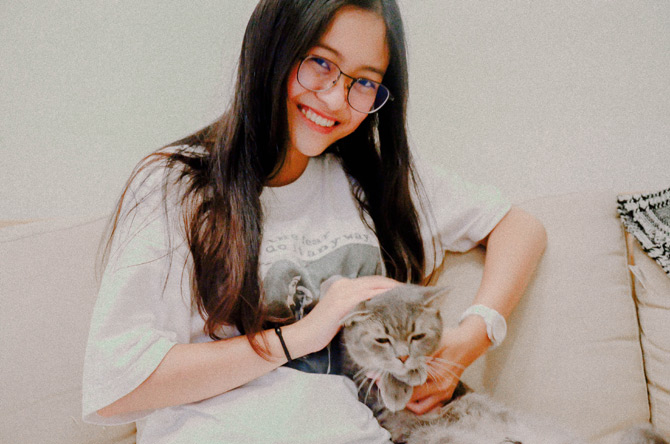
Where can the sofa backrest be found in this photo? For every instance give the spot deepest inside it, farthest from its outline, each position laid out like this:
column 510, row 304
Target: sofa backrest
column 573, row 352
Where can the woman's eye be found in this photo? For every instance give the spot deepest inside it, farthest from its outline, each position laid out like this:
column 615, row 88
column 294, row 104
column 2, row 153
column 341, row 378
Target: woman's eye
column 382, row 340
column 418, row 337
column 322, row 64
column 366, row 84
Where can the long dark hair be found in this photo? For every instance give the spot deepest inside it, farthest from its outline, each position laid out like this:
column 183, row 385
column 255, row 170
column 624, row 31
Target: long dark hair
column 246, row 147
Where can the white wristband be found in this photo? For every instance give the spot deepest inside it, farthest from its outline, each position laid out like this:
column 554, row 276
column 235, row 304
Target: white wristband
column 496, row 327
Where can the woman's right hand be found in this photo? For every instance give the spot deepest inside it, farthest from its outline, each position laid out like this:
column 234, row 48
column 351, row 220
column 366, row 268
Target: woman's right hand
column 340, row 298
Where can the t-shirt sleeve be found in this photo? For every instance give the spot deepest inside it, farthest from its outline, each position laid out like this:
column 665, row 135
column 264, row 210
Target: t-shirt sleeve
column 143, row 306
column 455, row 214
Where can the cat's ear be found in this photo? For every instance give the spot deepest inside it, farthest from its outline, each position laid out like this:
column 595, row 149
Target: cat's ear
column 432, row 296
column 359, row 314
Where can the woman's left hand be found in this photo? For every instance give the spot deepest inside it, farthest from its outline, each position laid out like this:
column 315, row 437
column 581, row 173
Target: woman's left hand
column 459, row 347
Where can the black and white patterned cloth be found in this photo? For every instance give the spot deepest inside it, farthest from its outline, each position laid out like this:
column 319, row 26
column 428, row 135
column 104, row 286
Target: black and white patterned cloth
column 647, row 217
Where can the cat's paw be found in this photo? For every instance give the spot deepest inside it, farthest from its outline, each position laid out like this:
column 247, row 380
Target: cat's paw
column 399, row 424
column 415, row 377
column 395, row 394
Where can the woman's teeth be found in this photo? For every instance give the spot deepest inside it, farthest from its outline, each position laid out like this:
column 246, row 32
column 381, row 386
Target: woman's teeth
column 321, row 121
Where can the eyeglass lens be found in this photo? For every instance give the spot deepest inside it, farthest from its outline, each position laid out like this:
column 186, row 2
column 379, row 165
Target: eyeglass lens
column 318, row 74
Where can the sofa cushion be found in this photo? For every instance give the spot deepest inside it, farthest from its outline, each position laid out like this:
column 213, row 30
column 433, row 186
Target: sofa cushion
column 573, row 353
column 47, row 292
column 652, row 289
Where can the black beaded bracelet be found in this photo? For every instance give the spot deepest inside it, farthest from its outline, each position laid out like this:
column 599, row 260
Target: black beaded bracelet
column 283, row 344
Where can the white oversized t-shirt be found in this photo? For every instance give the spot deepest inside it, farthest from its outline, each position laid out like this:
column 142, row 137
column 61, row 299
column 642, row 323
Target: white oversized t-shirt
column 311, row 230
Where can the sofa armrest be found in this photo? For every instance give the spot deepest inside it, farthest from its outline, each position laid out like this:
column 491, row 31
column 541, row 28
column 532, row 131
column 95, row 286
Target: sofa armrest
column 47, row 292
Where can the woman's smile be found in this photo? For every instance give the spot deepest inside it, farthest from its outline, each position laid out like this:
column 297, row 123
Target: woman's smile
column 321, row 122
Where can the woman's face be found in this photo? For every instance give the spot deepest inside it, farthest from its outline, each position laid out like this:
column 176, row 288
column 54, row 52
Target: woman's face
column 356, row 42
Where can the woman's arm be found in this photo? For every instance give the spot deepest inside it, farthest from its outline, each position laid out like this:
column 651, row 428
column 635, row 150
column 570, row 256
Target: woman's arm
column 513, row 249
column 193, row 372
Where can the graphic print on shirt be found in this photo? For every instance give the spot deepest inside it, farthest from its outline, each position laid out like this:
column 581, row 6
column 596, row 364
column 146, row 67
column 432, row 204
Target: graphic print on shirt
column 292, row 286
column 294, row 268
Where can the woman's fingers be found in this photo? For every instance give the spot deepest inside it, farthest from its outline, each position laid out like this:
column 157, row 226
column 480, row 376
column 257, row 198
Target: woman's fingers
column 442, row 389
column 428, row 396
column 338, row 298
column 350, row 292
column 443, row 379
column 424, row 405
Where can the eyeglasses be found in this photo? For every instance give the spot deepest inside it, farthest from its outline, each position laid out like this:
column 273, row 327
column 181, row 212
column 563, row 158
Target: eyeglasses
column 318, row 74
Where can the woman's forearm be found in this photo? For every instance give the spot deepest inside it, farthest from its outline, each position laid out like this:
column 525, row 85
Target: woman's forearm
column 193, row 372
column 513, row 251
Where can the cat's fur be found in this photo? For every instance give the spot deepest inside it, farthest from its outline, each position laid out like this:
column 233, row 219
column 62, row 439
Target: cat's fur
column 392, row 337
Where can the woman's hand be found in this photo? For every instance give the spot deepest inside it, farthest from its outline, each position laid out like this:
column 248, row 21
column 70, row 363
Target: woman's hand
column 459, row 347
column 341, row 296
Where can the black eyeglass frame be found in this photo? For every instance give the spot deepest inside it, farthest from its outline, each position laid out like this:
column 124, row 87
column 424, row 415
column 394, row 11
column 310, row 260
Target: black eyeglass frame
column 340, row 74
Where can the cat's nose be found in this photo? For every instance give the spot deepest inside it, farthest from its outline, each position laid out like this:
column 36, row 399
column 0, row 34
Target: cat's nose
column 403, row 358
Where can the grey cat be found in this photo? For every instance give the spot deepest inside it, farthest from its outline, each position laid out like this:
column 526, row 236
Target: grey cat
column 393, row 337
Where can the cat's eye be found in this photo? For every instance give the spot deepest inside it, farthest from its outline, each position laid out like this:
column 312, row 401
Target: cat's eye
column 418, row 337
column 382, row 340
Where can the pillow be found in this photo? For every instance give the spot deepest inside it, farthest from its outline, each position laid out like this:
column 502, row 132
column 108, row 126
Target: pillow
column 647, row 217
column 652, row 291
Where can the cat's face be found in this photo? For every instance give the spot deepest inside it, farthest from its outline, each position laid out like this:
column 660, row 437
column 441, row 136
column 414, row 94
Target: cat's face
column 395, row 332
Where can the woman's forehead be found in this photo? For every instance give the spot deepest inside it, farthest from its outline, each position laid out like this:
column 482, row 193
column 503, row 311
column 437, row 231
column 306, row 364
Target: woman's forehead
column 356, row 41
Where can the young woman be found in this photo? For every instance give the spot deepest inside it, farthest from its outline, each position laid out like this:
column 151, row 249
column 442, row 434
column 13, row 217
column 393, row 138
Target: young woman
column 231, row 232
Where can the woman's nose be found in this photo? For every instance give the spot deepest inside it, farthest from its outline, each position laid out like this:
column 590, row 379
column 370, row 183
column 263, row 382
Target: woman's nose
column 336, row 96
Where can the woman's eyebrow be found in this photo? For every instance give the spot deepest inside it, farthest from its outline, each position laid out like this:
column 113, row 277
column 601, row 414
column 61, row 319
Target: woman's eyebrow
column 339, row 56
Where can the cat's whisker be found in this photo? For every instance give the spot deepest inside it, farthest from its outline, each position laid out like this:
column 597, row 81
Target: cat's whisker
column 363, row 381
column 365, row 375
column 372, row 384
column 374, row 374
column 435, row 375
column 441, row 366
column 361, row 384
column 369, row 389
column 446, row 361
column 360, row 373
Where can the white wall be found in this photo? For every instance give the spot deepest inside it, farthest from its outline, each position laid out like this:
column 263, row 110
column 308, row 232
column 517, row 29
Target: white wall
column 537, row 97
column 541, row 97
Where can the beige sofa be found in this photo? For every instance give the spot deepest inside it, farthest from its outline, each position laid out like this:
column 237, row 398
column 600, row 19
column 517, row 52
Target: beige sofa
column 588, row 346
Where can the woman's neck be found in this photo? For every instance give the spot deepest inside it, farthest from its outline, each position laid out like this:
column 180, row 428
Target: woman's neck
column 293, row 167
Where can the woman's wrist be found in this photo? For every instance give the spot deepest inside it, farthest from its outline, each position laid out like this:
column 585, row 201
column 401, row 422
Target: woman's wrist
column 299, row 339
column 470, row 339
